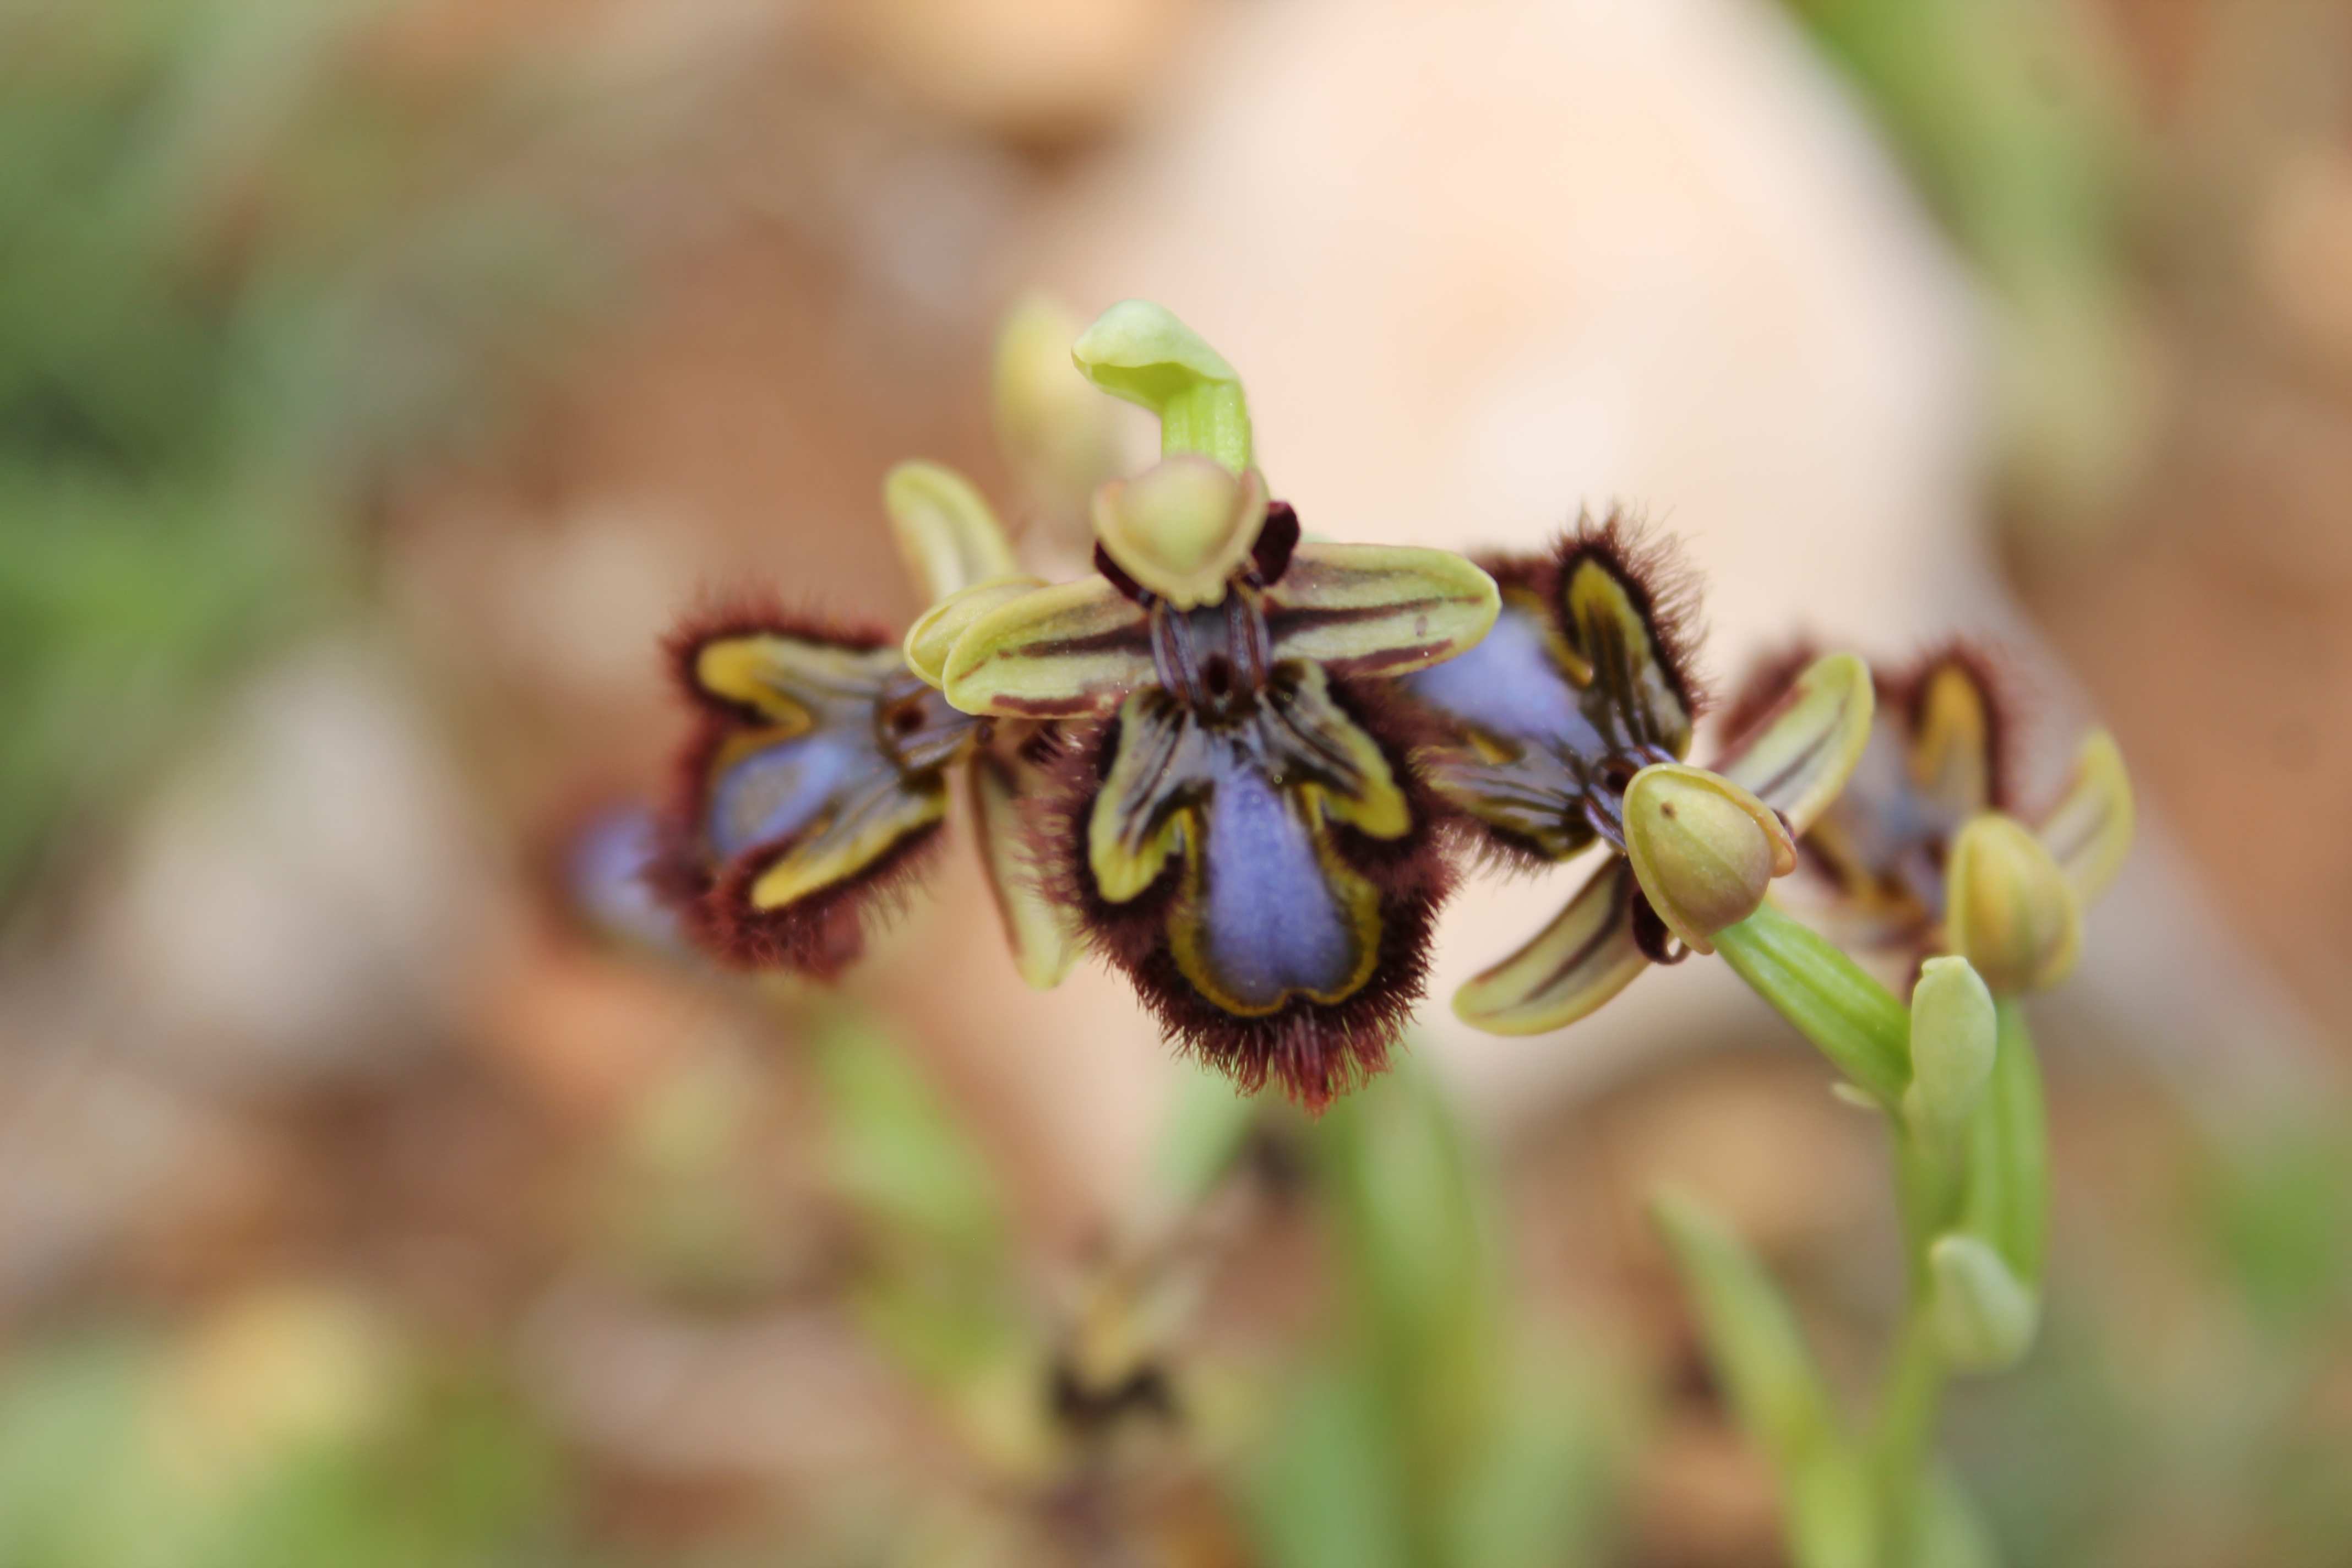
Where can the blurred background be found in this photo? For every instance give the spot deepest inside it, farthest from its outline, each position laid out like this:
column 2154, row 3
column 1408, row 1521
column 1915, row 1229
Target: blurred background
column 379, row 378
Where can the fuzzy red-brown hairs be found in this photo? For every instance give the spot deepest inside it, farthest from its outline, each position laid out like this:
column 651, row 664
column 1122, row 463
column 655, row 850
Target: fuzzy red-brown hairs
column 1662, row 587
column 1764, row 687
column 1903, row 691
column 1314, row 1050
column 819, row 935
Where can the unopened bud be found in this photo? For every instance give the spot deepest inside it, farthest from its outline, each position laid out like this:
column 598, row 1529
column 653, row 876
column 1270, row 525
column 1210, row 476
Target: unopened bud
column 1056, row 432
column 1181, row 526
column 2010, row 910
column 1954, row 1038
column 1704, row 848
column 1138, row 350
column 1984, row 1315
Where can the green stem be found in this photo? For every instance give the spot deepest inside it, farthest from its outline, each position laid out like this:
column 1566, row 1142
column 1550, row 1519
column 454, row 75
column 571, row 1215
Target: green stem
column 1851, row 1018
column 1928, row 1193
column 1901, row 1442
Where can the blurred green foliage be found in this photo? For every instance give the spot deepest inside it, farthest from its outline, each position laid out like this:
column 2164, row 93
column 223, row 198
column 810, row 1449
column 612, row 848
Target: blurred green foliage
column 459, row 1477
column 239, row 273
column 1437, row 1430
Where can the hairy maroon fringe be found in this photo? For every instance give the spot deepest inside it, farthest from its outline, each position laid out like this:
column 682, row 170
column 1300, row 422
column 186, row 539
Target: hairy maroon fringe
column 1663, row 587
column 1314, row 1051
column 818, row 936
column 1994, row 675
column 1765, row 687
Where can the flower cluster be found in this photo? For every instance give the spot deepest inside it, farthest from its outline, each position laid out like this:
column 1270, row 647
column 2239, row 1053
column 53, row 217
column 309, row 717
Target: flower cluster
column 1194, row 757
column 1236, row 762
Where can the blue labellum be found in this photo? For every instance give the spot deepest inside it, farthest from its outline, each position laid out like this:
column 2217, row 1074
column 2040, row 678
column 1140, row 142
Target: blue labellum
column 1272, row 925
column 779, row 790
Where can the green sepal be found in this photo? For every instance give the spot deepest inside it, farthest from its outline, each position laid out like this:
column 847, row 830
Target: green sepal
column 1138, row 350
column 947, row 533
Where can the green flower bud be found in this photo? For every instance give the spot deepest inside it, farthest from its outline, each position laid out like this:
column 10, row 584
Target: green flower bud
column 1704, row 848
column 1056, row 435
column 1953, row 1038
column 1138, row 351
column 1181, row 526
column 1984, row 1316
column 2010, row 910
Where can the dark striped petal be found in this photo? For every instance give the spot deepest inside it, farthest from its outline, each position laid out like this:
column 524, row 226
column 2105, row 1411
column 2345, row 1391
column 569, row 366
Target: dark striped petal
column 1584, row 957
column 1068, row 651
column 1800, row 755
column 1643, row 701
column 1371, row 609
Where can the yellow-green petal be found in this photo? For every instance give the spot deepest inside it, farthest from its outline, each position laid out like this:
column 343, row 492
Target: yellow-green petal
column 935, row 633
column 1585, row 957
column 1379, row 609
column 947, row 533
column 786, row 679
column 1799, row 757
column 1056, row 434
column 1072, row 650
column 2089, row 832
column 853, row 839
column 1042, row 933
column 1951, row 750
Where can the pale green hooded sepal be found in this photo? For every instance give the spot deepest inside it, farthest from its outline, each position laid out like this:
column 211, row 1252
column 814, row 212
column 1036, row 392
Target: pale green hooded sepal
column 1953, row 1045
column 1141, row 351
column 1181, row 527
